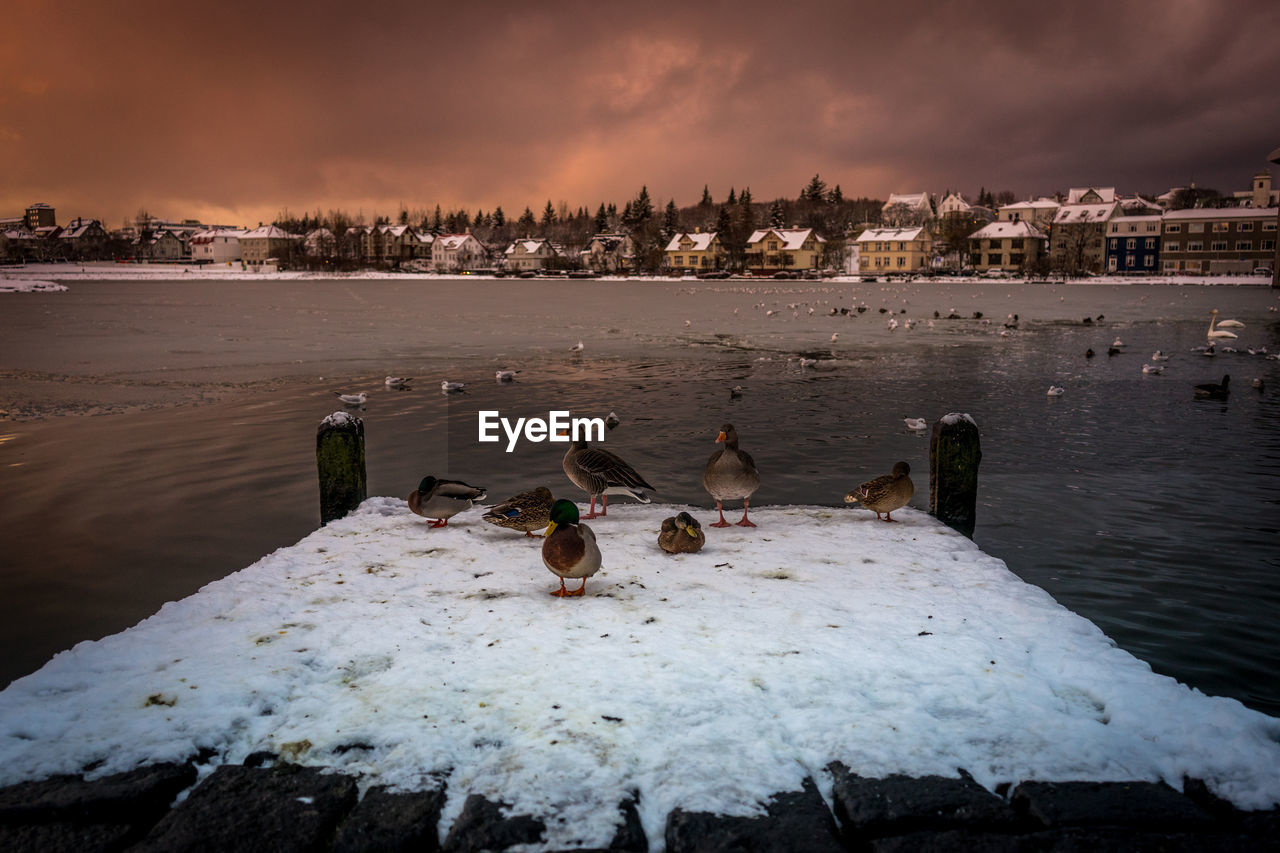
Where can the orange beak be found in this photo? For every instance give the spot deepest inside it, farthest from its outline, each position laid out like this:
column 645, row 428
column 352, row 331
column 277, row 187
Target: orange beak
column 721, row 437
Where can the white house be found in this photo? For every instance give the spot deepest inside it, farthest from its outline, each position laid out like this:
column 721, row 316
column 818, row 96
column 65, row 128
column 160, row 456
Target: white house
column 953, row 205
column 1038, row 212
column 912, row 206
column 528, row 254
column 215, row 246
column 457, row 252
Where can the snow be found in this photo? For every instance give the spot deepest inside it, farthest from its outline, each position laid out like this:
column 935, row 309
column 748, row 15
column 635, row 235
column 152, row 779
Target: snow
column 338, row 419
column 957, row 417
column 29, row 286
column 709, row 681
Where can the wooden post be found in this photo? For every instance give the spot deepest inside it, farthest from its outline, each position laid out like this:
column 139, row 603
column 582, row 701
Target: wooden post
column 954, row 454
column 340, row 462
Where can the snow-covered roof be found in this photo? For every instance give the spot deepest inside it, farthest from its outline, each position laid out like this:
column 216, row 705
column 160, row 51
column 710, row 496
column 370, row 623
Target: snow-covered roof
column 528, row 247
column 920, row 200
column 1041, row 203
column 792, row 238
column 449, row 242
column 1001, row 230
column 268, row 232
column 201, row 237
column 1076, row 194
column 77, row 228
column 700, row 241
column 1084, row 213
column 1208, row 213
column 881, row 234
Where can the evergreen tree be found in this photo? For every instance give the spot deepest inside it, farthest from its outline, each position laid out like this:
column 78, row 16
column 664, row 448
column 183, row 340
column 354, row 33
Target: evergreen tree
column 642, row 208
column 527, row 222
column 815, row 191
column 601, row 223
column 499, row 218
column 548, row 215
column 777, row 214
column 706, row 197
column 732, row 200
column 404, row 216
column 437, row 222
column 835, row 196
column 670, row 221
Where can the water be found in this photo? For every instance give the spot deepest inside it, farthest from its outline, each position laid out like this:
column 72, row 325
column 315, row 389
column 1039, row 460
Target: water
column 161, row 434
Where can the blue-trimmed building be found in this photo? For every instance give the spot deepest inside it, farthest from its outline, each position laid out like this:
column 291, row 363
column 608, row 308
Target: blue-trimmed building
column 1133, row 244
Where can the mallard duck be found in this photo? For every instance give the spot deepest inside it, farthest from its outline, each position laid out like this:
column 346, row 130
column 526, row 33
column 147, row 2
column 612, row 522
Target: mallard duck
column 600, row 473
column 681, row 534
column 527, row 511
column 731, row 474
column 442, row 499
column 1215, row 391
column 569, row 548
column 885, row 494
column 1218, row 333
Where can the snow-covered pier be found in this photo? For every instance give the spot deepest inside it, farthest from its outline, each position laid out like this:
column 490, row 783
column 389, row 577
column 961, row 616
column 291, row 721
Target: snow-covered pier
column 781, row 666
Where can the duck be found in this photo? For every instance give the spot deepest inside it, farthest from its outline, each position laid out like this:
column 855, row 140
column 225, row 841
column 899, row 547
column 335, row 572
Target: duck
column 1158, row 355
column 1258, row 383
column 527, row 511
column 352, row 399
column 398, row 381
column 1218, row 333
column 1055, row 391
column 1215, row 390
column 612, row 420
column 446, row 386
column 443, row 499
column 681, row 534
column 569, row 548
column 600, row 473
column 916, row 424
column 731, row 474
column 885, row 494
column 1088, row 353
column 505, row 375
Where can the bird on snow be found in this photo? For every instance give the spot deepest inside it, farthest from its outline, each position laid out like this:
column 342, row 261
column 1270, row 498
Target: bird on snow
column 885, row 494
column 600, row 473
column 731, row 474
column 569, row 548
column 442, row 499
column 352, row 399
column 681, row 534
column 527, row 511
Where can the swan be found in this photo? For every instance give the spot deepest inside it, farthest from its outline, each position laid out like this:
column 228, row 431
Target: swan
column 1055, row 391
column 1218, row 333
column 1230, row 324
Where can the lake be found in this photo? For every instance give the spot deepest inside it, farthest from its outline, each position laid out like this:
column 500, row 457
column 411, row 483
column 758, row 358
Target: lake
column 158, row 435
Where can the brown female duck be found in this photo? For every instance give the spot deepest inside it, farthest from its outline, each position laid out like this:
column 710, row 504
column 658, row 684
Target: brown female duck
column 681, row 534
column 885, row 494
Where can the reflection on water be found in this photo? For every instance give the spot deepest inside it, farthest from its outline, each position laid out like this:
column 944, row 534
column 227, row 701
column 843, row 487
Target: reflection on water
column 1150, row 513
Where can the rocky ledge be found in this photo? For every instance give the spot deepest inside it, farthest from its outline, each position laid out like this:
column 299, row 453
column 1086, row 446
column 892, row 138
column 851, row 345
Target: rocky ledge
column 286, row 807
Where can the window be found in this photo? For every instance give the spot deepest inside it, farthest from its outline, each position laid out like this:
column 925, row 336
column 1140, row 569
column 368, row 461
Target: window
column 1267, row 245
column 1195, row 246
column 1131, row 243
column 1244, row 245
column 902, row 261
column 1172, row 229
column 1170, row 266
column 1268, row 226
column 1130, row 262
column 1149, row 243
column 678, row 260
column 1245, row 226
column 1172, row 246
column 1152, row 226
column 1218, row 246
column 1115, row 244
column 1193, row 266
column 1133, row 228
column 1015, row 260
column 1148, row 261
column 1115, row 227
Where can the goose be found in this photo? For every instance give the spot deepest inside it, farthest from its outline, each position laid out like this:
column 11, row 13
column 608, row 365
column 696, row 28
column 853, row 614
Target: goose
column 600, row 473
column 731, row 474
column 916, row 424
column 1055, row 391
column 885, row 494
column 352, row 399
column 398, row 381
column 1218, row 333
column 442, row 499
column 527, row 511
column 446, row 386
column 505, row 375
column 569, row 548
column 681, row 534
column 1215, row 391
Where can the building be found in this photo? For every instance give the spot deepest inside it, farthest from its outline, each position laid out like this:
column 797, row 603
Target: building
column 1077, row 236
column 528, row 254
column 609, row 253
column 1133, row 244
column 697, row 252
column 266, row 243
column 1261, row 194
column 772, row 250
column 1039, row 212
column 398, row 243
column 895, row 250
column 218, row 246
column 40, row 215
column 903, row 209
column 1201, row 241
column 162, row 245
column 1007, row 246
column 953, row 205
column 458, row 253
column 83, row 238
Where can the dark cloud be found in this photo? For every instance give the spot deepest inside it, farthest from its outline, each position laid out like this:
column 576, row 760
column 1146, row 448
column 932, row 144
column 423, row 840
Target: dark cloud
column 234, row 111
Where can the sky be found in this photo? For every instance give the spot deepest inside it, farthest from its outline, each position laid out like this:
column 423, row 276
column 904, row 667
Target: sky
column 235, row 112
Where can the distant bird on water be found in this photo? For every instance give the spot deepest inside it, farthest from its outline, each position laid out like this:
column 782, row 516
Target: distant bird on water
column 576, row 347
column 1218, row 333
column 1215, row 391
column 885, row 494
column 1153, row 368
column 505, row 375
column 352, row 399
column 442, row 499
column 446, row 386
column 1055, row 391
column 917, row 424
column 611, row 420
column 398, row 381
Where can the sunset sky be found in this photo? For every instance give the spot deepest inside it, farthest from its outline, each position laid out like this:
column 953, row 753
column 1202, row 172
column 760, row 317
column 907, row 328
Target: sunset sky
column 233, row 111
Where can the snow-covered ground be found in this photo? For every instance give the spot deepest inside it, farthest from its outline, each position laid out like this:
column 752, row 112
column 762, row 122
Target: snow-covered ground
column 101, row 271
column 708, row 681
column 29, row 285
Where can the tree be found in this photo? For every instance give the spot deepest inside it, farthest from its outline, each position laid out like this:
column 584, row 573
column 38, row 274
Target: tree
column 706, row 197
column 835, row 196
column 527, row 222
column 816, row 190
column 777, row 213
column 601, row 222
column 499, row 218
column 670, row 221
column 549, row 215
column 1192, row 196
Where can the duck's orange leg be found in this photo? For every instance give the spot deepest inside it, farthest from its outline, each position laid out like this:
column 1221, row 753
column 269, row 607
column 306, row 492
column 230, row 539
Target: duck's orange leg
column 745, row 523
column 721, row 522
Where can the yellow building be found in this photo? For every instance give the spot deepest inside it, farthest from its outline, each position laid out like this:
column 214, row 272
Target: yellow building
column 772, row 250
column 696, row 252
column 895, row 250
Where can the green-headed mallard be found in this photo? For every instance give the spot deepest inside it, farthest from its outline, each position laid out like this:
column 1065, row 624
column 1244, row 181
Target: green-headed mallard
column 681, row 534
column 731, row 474
column 885, row 494
column 569, row 548
column 527, row 511
column 442, row 499
column 600, row 473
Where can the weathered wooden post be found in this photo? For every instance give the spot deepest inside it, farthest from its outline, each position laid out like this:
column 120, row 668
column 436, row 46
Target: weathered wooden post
column 954, row 454
column 340, row 462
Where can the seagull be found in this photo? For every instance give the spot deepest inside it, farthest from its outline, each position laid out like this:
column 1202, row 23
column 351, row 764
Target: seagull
column 807, row 362
column 917, row 424
column 398, row 381
column 1153, row 368
column 446, row 386
column 576, row 347
column 835, row 336
column 1055, row 391
column 1117, row 343
column 505, row 375
column 1159, row 356
column 352, row 399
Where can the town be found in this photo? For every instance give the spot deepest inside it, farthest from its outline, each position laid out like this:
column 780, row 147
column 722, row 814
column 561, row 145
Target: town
column 1084, row 231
